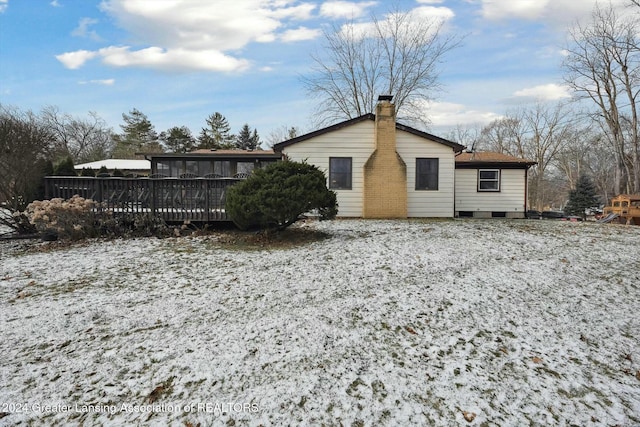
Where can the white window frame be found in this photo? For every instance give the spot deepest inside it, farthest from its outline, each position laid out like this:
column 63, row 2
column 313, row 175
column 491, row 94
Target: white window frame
column 495, row 180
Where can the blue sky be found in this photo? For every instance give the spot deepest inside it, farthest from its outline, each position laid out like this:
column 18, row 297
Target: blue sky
column 178, row 61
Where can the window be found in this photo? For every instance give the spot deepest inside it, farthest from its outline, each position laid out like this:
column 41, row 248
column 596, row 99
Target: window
column 169, row 167
column 222, row 167
column 488, row 180
column 427, row 174
column 244, row 167
column 192, row 167
column 340, row 173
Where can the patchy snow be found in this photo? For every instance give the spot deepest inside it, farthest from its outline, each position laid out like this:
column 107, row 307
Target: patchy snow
column 382, row 323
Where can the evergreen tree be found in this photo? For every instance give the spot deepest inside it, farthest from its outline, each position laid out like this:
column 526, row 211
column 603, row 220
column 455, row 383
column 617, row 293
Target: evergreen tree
column 178, row 139
column 583, row 197
column 65, row 168
column 103, row 172
column 138, row 135
column 87, row 172
column 246, row 139
column 217, row 133
column 274, row 197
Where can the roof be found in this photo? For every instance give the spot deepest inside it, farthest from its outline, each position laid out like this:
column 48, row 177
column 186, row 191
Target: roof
column 491, row 159
column 630, row 197
column 122, row 164
column 220, row 154
column 280, row 146
column 234, row 152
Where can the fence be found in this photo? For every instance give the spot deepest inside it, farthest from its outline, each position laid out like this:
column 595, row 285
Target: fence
column 172, row 199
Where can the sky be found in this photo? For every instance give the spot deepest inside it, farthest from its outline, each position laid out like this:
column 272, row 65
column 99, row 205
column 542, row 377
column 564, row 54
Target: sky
column 179, row 61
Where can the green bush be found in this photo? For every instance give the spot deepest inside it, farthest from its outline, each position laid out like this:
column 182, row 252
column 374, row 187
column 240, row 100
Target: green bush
column 87, row 172
column 65, row 168
column 103, row 171
column 274, row 197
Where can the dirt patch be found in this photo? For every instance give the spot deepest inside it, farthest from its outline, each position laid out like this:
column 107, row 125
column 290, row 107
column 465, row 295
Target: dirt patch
column 292, row 237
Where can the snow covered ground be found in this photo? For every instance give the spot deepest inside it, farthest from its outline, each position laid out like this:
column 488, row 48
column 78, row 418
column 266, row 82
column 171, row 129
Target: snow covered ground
column 466, row 322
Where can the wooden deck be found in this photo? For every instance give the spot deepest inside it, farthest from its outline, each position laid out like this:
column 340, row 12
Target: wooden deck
column 172, row 199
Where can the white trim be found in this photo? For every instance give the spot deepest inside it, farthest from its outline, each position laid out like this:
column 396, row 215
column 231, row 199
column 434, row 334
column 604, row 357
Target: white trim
column 496, row 180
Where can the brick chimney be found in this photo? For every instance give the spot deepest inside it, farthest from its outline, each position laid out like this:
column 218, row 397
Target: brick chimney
column 385, row 173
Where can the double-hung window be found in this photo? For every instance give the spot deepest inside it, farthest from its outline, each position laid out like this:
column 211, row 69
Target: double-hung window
column 340, row 173
column 427, row 174
column 489, row 180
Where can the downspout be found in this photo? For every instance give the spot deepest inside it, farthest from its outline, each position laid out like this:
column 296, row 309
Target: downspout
column 454, row 181
column 526, row 190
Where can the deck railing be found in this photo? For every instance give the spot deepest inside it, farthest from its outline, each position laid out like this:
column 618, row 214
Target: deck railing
column 172, row 199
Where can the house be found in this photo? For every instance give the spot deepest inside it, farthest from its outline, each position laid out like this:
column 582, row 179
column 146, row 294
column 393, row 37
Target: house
column 383, row 169
column 491, row 185
column 379, row 168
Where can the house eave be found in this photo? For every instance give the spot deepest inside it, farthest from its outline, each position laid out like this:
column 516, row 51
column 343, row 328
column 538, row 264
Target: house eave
column 280, row 146
column 494, row 165
column 217, row 156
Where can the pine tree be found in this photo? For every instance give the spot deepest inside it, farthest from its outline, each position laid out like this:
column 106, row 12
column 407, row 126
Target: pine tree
column 217, row 133
column 138, row 135
column 246, row 139
column 65, row 168
column 178, row 139
column 583, row 197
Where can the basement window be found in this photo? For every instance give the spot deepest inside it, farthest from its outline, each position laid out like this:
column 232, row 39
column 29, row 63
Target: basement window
column 340, row 173
column 489, row 180
column 427, row 174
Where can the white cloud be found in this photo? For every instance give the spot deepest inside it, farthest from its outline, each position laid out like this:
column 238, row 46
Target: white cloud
column 82, row 30
column 554, row 11
column 156, row 57
column 442, row 13
column 419, row 20
column 451, row 114
column 299, row 34
column 183, row 35
column 204, row 24
column 524, row 9
column 345, row 9
column 103, row 82
column 74, row 60
column 171, row 59
column 548, row 92
column 4, row 4
column 55, row 3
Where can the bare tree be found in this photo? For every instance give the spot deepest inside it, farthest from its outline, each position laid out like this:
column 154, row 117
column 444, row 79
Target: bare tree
column 469, row 136
column 25, row 144
column 397, row 55
column 536, row 134
column 282, row 133
column 603, row 66
column 84, row 140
